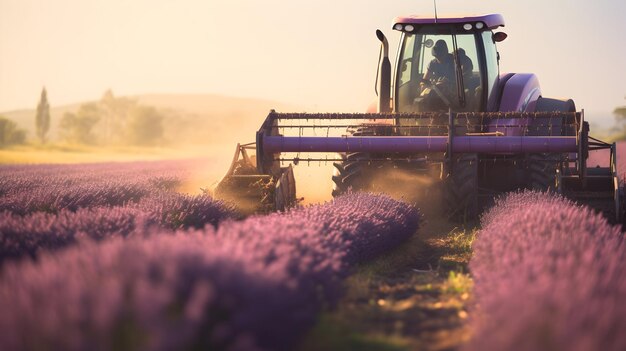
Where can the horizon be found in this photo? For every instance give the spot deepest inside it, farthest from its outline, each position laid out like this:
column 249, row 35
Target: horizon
column 139, row 95
column 79, row 49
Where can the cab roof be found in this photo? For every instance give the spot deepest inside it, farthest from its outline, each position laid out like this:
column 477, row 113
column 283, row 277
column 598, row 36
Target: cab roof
column 491, row 21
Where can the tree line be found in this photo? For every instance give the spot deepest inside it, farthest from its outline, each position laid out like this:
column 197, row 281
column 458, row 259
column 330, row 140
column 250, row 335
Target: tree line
column 113, row 121
column 10, row 134
column 109, row 121
column 123, row 121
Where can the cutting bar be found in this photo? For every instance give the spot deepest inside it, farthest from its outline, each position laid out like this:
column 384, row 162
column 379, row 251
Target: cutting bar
column 392, row 144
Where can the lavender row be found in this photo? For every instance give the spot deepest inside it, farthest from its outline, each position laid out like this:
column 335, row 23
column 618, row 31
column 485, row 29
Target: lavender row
column 549, row 275
column 34, row 233
column 51, row 188
column 254, row 284
column 179, row 211
column 53, row 199
column 23, row 177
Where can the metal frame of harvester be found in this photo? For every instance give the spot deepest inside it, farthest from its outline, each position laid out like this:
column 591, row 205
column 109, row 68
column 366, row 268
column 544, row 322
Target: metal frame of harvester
column 517, row 139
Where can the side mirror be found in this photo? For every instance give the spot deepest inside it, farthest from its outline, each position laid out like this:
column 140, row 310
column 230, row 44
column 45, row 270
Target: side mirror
column 499, row 36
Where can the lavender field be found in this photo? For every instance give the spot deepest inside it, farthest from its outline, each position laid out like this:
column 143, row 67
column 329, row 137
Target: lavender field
column 549, row 275
column 111, row 257
column 48, row 207
column 114, row 257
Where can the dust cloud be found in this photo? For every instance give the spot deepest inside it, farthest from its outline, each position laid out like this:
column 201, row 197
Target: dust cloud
column 208, row 169
column 314, row 183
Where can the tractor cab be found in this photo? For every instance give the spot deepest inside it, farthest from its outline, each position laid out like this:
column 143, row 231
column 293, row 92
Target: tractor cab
column 446, row 63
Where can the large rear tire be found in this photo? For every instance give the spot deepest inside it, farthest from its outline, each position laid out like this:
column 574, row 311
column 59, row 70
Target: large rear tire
column 544, row 169
column 355, row 173
column 460, row 188
column 543, row 172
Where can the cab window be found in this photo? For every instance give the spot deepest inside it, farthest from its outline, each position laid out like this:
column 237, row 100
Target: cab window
column 439, row 71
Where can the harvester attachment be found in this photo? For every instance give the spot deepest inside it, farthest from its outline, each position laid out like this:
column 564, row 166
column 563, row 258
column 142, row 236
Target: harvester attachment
column 599, row 187
column 253, row 192
column 470, row 156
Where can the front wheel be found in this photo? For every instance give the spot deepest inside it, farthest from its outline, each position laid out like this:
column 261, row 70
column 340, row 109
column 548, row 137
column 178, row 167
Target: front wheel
column 543, row 172
column 460, row 190
column 354, row 173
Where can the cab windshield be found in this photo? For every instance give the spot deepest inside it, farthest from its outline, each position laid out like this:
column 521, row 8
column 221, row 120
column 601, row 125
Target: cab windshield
column 438, row 71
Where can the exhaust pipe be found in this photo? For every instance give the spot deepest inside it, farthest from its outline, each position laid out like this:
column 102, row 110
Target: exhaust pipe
column 384, row 75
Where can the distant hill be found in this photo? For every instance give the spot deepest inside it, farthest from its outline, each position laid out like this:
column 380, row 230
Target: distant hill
column 190, row 118
column 200, row 104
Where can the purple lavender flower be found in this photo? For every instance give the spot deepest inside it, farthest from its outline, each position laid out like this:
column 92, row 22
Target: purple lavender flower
column 549, row 275
column 253, row 284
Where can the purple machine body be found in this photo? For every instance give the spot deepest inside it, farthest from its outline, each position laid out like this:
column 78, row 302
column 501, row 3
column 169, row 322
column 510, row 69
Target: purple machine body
column 507, row 136
column 491, row 21
column 519, row 93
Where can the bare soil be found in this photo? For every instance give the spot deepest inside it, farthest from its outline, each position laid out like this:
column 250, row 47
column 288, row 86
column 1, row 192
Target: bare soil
column 414, row 298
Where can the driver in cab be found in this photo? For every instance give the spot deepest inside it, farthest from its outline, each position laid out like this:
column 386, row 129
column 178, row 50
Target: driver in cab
column 440, row 76
column 442, row 66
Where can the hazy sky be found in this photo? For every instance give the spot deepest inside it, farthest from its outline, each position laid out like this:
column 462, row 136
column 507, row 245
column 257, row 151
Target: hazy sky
column 318, row 54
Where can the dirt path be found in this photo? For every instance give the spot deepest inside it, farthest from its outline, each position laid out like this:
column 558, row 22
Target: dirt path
column 414, row 298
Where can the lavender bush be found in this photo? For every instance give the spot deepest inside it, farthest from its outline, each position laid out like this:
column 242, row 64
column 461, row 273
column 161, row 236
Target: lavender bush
column 180, row 211
column 47, row 207
column 29, row 235
column 254, row 284
column 51, row 188
column 33, row 233
column 55, row 198
column 549, row 275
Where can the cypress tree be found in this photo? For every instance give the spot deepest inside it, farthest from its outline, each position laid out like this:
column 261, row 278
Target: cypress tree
column 42, row 120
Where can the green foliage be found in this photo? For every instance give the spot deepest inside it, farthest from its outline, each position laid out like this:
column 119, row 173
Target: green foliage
column 113, row 121
column 145, row 126
column 42, row 119
column 9, row 133
column 78, row 127
column 460, row 242
column 620, row 113
column 457, row 283
column 620, row 118
column 114, row 114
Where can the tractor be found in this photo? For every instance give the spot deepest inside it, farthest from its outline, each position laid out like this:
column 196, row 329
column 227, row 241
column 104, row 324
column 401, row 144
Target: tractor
column 446, row 113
